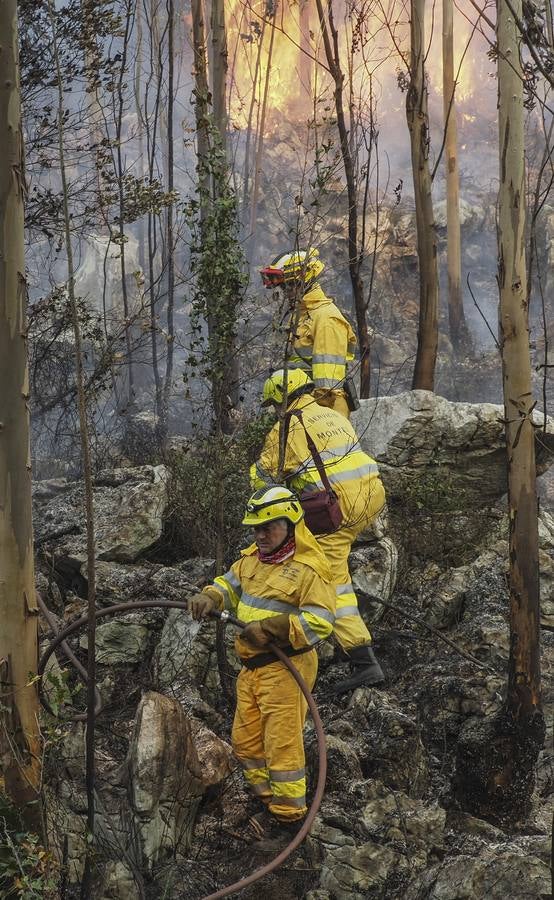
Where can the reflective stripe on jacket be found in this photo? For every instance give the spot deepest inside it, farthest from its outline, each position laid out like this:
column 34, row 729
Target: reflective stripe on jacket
column 324, row 341
column 349, row 470
column 253, row 591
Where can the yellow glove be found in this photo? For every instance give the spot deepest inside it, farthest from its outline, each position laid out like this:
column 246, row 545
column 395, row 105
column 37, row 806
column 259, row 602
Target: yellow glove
column 254, row 634
column 200, row 606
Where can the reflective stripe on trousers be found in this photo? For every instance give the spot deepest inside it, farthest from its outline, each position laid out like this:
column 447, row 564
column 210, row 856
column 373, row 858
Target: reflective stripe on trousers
column 267, row 734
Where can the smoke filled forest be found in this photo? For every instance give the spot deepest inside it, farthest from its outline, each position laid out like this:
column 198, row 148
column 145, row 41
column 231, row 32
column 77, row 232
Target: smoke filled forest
column 157, row 156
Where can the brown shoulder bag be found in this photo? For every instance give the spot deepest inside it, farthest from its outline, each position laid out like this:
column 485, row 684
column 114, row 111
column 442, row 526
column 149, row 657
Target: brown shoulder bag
column 321, row 507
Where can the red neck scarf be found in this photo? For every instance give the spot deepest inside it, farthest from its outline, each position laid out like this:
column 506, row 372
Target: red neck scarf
column 285, row 551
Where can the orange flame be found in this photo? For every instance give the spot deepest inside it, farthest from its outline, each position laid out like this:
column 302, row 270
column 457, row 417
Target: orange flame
column 275, row 48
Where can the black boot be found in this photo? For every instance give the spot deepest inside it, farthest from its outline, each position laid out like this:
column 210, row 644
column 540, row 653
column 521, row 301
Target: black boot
column 365, row 670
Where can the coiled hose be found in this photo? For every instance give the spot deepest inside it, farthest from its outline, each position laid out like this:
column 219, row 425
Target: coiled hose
column 78, row 624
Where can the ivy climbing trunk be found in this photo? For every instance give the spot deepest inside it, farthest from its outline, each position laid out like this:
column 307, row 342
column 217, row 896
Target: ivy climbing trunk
column 418, row 125
column 19, row 731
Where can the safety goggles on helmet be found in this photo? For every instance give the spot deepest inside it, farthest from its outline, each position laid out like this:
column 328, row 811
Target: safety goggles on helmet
column 272, row 277
column 272, row 503
column 297, row 383
column 300, row 265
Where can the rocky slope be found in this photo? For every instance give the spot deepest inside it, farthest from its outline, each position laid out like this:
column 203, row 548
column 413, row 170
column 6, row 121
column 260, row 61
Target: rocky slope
column 396, row 820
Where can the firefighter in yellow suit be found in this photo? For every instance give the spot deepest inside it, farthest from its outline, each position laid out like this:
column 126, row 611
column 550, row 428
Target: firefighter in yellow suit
column 354, row 477
column 324, row 341
column 282, row 587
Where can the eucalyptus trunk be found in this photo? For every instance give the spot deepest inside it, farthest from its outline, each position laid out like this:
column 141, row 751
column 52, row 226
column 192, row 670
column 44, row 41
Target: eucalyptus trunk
column 418, row 125
column 496, row 761
column 20, row 752
column 330, row 37
column 523, row 704
column 456, row 318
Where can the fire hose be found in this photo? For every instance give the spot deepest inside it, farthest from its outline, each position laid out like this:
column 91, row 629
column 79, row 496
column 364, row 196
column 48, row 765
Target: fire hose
column 61, row 640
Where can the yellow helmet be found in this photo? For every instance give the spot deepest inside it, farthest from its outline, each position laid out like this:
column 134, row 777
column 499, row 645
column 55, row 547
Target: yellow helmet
column 271, row 503
column 300, row 264
column 297, row 383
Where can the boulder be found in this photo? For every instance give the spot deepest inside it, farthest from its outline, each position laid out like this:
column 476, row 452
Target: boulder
column 373, row 567
column 119, row 883
column 165, row 778
column 460, row 445
column 215, row 756
column 497, row 873
column 386, row 741
column 393, row 816
column 350, row 873
column 129, row 506
column 186, row 654
column 121, row 641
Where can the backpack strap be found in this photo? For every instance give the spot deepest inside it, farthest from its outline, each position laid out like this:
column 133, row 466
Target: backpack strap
column 311, row 447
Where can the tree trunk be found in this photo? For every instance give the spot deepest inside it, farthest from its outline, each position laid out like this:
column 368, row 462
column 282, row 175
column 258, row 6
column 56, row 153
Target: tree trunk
column 247, row 159
column 259, row 155
column 524, row 701
column 127, row 316
column 355, row 248
column 219, row 44
column 86, row 881
column 418, row 125
column 219, row 94
column 201, row 104
column 19, row 732
column 163, row 424
column 305, row 63
column 495, row 768
column 458, row 328
column 153, row 122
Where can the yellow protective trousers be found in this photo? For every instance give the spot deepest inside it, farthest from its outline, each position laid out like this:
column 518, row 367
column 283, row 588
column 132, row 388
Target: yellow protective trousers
column 267, row 734
column 350, row 629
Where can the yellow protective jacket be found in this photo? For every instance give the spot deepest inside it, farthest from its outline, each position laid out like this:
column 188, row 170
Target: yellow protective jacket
column 349, row 470
column 324, row 341
column 298, row 593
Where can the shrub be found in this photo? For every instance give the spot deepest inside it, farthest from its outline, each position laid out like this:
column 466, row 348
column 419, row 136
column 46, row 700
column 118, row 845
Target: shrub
column 208, row 489
column 27, row 869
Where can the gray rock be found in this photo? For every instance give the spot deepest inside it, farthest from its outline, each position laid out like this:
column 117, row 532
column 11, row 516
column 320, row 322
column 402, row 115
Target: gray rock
column 121, row 641
column 395, row 816
column 66, row 833
column 186, row 652
column 418, row 432
column 165, row 777
column 445, row 701
column 129, row 507
column 390, row 747
column 374, row 568
column 119, row 883
column 499, row 873
column 443, row 598
column 343, row 765
column 349, row 873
